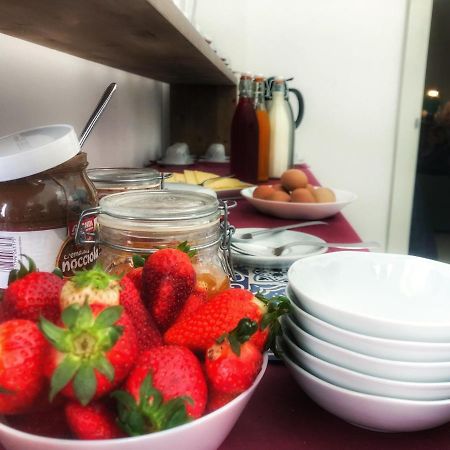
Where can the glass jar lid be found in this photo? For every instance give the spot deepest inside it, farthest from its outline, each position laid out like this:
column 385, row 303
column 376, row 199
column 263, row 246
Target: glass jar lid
column 122, row 175
column 159, row 205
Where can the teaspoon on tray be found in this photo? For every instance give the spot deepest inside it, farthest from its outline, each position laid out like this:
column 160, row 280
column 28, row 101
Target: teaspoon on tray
column 278, row 251
column 252, row 235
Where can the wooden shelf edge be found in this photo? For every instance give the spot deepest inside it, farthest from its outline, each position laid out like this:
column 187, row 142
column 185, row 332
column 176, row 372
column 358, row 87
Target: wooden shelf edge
column 151, row 38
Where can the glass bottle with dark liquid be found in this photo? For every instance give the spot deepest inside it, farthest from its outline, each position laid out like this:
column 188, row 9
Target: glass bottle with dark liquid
column 244, row 135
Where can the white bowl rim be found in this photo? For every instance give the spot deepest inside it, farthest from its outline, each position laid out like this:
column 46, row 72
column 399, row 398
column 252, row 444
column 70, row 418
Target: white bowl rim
column 355, row 335
column 369, row 358
column 247, row 193
column 370, row 378
column 378, row 398
column 104, row 442
column 372, row 320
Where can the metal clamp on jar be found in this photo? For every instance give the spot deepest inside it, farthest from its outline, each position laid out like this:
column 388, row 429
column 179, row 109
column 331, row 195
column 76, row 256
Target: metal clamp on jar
column 142, row 222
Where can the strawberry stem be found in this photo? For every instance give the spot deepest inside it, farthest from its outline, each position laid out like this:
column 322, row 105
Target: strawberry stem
column 150, row 413
column 83, row 342
column 185, row 248
column 139, row 260
column 17, row 274
column 242, row 333
column 96, row 278
column 276, row 307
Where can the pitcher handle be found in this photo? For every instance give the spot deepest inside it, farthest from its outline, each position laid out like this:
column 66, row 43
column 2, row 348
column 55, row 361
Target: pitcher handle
column 301, row 106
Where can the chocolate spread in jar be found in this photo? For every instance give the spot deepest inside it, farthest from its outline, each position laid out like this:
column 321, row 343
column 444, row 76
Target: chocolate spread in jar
column 38, row 215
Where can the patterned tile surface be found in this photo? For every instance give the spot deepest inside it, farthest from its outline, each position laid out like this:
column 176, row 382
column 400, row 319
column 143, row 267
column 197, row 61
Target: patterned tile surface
column 268, row 282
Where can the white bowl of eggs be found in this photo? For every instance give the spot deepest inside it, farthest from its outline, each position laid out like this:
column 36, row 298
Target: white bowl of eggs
column 295, row 198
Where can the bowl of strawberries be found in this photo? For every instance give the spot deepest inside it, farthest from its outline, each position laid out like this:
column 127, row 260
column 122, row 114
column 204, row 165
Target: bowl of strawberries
column 143, row 360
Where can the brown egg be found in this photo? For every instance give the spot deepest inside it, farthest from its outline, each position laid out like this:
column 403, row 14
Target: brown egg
column 263, row 191
column 294, row 178
column 324, row 195
column 302, row 195
column 310, row 188
column 279, row 196
column 278, row 187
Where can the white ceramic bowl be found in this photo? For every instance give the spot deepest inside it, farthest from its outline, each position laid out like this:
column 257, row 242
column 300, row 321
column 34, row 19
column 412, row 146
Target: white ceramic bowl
column 371, row 411
column 367, row 384
column 206, row 433
column 368, row 345
column 422, row 372
column 288, row 210
column 379, row 294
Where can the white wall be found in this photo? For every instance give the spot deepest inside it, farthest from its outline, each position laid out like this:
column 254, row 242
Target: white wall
column 346, row 57
column 40, row 86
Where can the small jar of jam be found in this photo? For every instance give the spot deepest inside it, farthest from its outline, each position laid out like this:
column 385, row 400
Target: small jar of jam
column 141, row 222
column 43, row 190
column 114, row 180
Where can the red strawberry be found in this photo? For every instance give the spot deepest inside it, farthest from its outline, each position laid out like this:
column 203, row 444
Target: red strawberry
column 194, row 301
column 92, row 352
column 218, row 399
column 168, row 279
column 93, row 286
column 32, row 294
column 135, row 275
column 94, row 421
column 221, row 314
column 233, row 362
column 50, row 423
column 147, row 333
column 172, row 378
column 22, row 350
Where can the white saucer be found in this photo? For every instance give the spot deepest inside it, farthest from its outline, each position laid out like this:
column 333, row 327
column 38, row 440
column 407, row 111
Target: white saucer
column 215, row 160
column 188, row 162
column 260, row 249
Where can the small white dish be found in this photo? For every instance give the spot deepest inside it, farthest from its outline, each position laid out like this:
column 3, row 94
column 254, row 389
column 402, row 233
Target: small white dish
column 175, row 162
column 260, row 249
column 412, row 371
column 205, row 433
column 380, row 294
column 367, row 384
column 223, row 160
column 393, row 349
column 371, row 411
column 291, row 210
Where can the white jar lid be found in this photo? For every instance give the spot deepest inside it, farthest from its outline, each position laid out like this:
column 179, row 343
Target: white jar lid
column 32, row 151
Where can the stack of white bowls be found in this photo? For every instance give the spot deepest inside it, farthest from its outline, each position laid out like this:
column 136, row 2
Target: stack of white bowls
column 368, row 338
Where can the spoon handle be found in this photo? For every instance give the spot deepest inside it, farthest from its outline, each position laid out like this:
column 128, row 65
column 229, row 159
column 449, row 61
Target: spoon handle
column 354, row 245
column 106, row 97
column 251, row 235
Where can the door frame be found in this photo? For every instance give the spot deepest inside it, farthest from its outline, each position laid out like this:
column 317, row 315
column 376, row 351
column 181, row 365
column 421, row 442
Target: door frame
column 412, row 81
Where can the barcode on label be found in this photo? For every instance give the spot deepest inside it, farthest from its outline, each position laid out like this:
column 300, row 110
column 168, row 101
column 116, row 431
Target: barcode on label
column 9, row 253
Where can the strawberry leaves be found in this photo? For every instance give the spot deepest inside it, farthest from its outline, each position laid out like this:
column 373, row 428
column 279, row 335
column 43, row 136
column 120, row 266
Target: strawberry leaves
column 83, row 342
column 150, row 413
column 17, row 274
column 95, row 278
column 242, row 333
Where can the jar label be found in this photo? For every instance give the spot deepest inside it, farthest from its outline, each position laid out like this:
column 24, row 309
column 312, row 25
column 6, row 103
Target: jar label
column 48, row 248
column 42, row 246
column 73, row 257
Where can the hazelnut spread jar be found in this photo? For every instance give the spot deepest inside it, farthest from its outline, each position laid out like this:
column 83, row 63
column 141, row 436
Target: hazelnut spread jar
column 141, row 222
column 43, row 189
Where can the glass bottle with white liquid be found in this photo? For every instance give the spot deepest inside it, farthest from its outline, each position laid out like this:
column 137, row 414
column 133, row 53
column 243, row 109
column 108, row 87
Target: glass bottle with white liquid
column 281, row 130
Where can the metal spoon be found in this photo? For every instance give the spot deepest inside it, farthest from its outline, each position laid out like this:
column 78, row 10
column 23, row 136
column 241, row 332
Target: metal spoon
column 106, row 97
column 253, row 234
column 278, row 251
